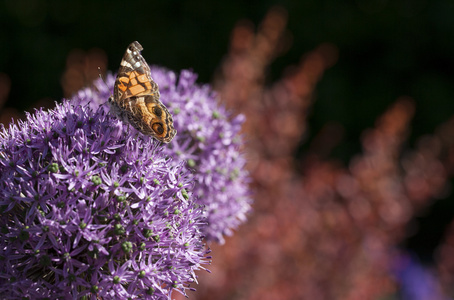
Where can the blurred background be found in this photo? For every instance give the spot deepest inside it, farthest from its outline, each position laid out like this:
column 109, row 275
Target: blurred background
column 350, row 128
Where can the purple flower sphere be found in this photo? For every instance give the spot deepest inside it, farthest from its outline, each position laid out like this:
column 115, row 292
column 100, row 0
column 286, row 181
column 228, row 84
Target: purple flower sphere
column 91, row 209
column 208, row 139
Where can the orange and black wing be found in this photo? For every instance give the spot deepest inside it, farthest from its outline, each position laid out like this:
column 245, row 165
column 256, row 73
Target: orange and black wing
column 136, row 97
column 134, row 78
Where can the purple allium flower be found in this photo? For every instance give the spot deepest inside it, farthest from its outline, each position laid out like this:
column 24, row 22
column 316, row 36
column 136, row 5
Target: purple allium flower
column 91, row 209
column 208, row 139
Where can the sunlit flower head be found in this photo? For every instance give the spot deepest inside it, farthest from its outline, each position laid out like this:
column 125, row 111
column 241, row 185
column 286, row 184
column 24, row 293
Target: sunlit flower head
column 90, row 208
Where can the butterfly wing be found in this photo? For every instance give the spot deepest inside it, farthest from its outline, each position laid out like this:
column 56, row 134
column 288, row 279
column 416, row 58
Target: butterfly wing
column 134, row 77
column 136, row 97
column 150, row 117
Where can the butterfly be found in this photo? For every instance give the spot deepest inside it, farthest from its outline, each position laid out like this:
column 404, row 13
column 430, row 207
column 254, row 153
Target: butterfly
column 136, row 97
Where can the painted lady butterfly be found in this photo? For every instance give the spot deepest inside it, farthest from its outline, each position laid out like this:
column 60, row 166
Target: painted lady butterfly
column 136, row 97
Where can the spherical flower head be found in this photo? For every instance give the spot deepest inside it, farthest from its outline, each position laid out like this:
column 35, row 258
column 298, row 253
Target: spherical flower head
column 208, row 139
column 91, row 209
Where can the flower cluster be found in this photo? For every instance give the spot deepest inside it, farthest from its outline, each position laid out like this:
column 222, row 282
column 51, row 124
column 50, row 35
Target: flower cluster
column 91, row 209
column 208, row 139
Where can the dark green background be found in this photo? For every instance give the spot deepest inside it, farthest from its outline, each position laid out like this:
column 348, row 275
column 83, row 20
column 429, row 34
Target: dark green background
column 386, row 49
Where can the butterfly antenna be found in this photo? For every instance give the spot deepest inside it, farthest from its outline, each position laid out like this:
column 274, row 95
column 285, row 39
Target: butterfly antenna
column 102, row 79
column 100, row 76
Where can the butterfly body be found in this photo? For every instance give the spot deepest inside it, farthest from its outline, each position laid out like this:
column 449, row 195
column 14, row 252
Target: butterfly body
column 136, row 97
